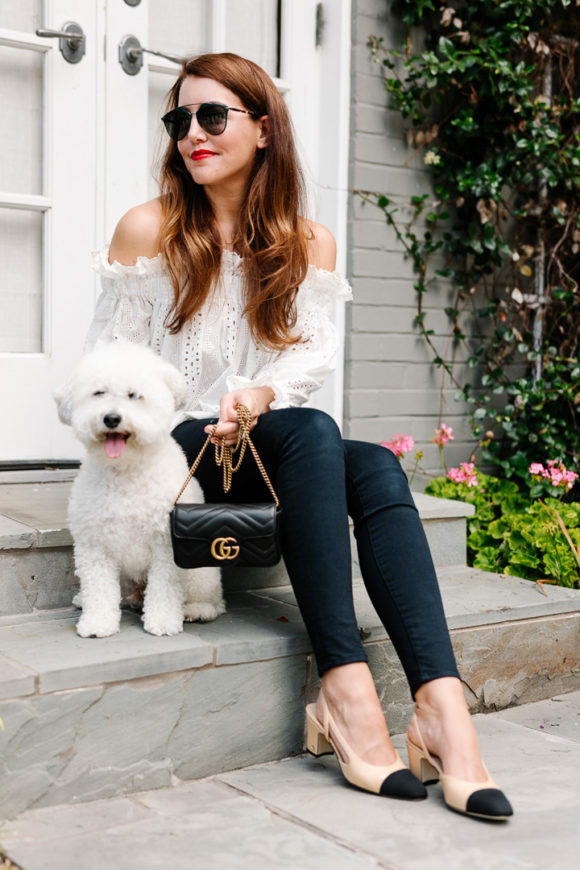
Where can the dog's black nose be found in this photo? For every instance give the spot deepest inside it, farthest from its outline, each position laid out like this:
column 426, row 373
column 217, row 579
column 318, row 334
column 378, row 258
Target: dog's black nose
column 111, row 421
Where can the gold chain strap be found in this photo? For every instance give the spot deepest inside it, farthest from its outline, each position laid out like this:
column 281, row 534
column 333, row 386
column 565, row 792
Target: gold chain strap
column 224, row 455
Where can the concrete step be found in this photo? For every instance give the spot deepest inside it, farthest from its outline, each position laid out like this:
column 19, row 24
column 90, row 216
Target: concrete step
column 299, row 813
column 36, row 560
column 93, row 718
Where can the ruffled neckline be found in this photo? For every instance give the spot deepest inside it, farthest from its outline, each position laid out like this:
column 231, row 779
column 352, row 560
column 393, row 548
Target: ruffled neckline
column 331, row 283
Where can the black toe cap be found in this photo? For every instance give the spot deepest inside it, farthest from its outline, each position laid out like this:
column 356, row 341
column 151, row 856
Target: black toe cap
column 489, row 802
column 404, row 785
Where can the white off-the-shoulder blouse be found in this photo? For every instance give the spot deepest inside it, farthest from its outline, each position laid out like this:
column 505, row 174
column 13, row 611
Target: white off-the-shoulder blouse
column 215, row 350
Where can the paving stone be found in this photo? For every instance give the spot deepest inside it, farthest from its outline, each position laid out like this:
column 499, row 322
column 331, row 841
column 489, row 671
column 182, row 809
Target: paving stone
column 559, row 716
column 42, row 506
column 236, row 579
column 196, row 835
column 13, row 598
column 255, row 629
column 233, row 716
column 537, row 771
column 518, row 663
column 63, row 660
column 473, row 597
column 470, row 598
column 447, row 541
column 87, row 744
column 291, row 812
column 50, row 824
column 37, row 740
column 36, row 579
column 431, row 508
column 15, row 680
column 14, row 535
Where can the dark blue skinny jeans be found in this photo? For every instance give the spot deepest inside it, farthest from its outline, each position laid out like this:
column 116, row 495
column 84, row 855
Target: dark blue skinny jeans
column 320, row 480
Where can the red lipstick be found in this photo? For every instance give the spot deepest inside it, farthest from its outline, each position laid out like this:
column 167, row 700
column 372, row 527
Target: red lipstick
column 199, row 155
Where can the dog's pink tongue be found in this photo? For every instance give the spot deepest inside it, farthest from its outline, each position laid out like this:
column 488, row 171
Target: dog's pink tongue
column 114, row 445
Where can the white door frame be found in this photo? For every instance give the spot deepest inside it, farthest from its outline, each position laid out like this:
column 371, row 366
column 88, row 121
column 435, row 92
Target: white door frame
column 321, row 115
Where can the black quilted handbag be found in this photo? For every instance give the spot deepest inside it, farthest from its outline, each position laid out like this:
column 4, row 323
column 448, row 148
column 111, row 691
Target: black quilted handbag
column 227, row 533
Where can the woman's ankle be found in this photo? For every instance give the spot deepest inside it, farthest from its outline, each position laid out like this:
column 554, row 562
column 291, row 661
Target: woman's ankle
column 441, row 696
column 447, row 729
column 352, row 699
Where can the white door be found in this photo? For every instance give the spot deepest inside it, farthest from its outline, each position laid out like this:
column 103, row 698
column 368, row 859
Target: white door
column 79, row 141
column 47, row 218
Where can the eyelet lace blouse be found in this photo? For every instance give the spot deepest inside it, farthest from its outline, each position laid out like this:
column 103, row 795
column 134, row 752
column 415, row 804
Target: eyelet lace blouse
column 215, row 350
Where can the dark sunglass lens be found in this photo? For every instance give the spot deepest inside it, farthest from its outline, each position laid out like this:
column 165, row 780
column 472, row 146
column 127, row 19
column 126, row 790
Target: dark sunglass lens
column 177, row 123
column 212, row 118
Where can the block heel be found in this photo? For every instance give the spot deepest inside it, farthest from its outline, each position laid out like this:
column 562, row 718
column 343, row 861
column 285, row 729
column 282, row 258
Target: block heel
column 316, row 742
column 419, row 765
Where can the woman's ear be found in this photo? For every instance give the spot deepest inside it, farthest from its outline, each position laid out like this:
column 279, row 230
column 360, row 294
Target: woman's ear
column 263, row 132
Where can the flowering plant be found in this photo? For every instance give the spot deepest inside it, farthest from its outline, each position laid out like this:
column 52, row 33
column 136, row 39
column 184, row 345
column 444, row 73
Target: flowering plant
column 556, row 474
column 512, row 534
column 441, row 437
column 399, row 444
column 466, row 474
column 488, row 94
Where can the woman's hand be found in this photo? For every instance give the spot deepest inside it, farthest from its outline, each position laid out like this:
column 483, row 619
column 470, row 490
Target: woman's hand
column 256, row 399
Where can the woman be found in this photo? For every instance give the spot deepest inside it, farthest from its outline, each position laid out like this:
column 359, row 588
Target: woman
column 223, row 277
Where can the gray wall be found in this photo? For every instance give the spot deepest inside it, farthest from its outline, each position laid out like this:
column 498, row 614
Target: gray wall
column 390, row 384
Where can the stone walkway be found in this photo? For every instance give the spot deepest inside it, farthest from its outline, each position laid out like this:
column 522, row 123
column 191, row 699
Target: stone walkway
column 298, row 813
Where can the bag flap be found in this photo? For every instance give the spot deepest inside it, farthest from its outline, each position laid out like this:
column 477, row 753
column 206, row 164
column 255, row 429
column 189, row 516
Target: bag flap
column 203, row 522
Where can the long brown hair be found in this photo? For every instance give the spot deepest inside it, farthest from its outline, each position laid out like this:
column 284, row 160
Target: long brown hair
column 272, row 237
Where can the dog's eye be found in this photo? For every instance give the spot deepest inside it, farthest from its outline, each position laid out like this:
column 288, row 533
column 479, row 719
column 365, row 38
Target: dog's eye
column 99, row 393
column 133, row 395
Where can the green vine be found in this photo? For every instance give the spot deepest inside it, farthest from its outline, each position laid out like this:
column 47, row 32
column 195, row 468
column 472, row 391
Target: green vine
column 492, row 107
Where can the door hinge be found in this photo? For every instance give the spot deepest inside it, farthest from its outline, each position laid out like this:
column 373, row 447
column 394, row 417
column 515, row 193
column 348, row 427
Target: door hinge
column 319, row 25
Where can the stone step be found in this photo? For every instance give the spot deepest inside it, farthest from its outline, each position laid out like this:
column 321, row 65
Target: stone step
column 92, row 718
column 298, row 813
column 36, row 562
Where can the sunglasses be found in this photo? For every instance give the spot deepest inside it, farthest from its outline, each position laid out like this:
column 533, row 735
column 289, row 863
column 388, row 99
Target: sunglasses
column 211, row 117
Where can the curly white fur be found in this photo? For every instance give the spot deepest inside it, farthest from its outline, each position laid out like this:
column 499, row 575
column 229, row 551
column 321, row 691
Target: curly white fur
column 121, row 499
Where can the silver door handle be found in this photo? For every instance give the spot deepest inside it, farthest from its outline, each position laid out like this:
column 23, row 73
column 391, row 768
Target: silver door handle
column 131, row 55
column 71, row 40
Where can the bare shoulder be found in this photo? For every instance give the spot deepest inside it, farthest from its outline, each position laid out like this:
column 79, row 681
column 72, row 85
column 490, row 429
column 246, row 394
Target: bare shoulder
column 321, row 247
column 137, row 234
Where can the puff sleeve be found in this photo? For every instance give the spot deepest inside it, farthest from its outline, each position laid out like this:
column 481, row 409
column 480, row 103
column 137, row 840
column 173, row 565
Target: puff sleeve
column 132, row 298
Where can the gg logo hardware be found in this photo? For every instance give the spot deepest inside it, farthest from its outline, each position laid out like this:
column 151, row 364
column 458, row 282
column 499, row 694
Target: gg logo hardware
column 222, row 548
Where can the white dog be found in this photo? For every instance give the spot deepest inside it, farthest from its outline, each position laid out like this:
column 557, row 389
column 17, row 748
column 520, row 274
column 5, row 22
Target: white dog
column 120, row 403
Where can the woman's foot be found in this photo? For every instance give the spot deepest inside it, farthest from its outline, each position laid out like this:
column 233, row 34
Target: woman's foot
column 442, row 744
column 351, row 723
column 354, row 705
column 447, row 729
column 354, row 714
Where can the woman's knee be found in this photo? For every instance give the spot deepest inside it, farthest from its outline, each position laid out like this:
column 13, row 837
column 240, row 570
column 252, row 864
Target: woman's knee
column 305, row 426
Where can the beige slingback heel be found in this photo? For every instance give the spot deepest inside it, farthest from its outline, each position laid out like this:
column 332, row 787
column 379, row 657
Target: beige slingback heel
column 394, row 780
column 483, row 800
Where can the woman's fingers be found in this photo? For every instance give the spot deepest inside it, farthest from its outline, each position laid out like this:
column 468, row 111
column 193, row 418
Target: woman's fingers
column 224, row 430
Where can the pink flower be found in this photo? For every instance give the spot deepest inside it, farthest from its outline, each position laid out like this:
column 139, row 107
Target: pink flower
column 556, row 473
column 399, row 444
column 466, row 473
column 443, row 435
